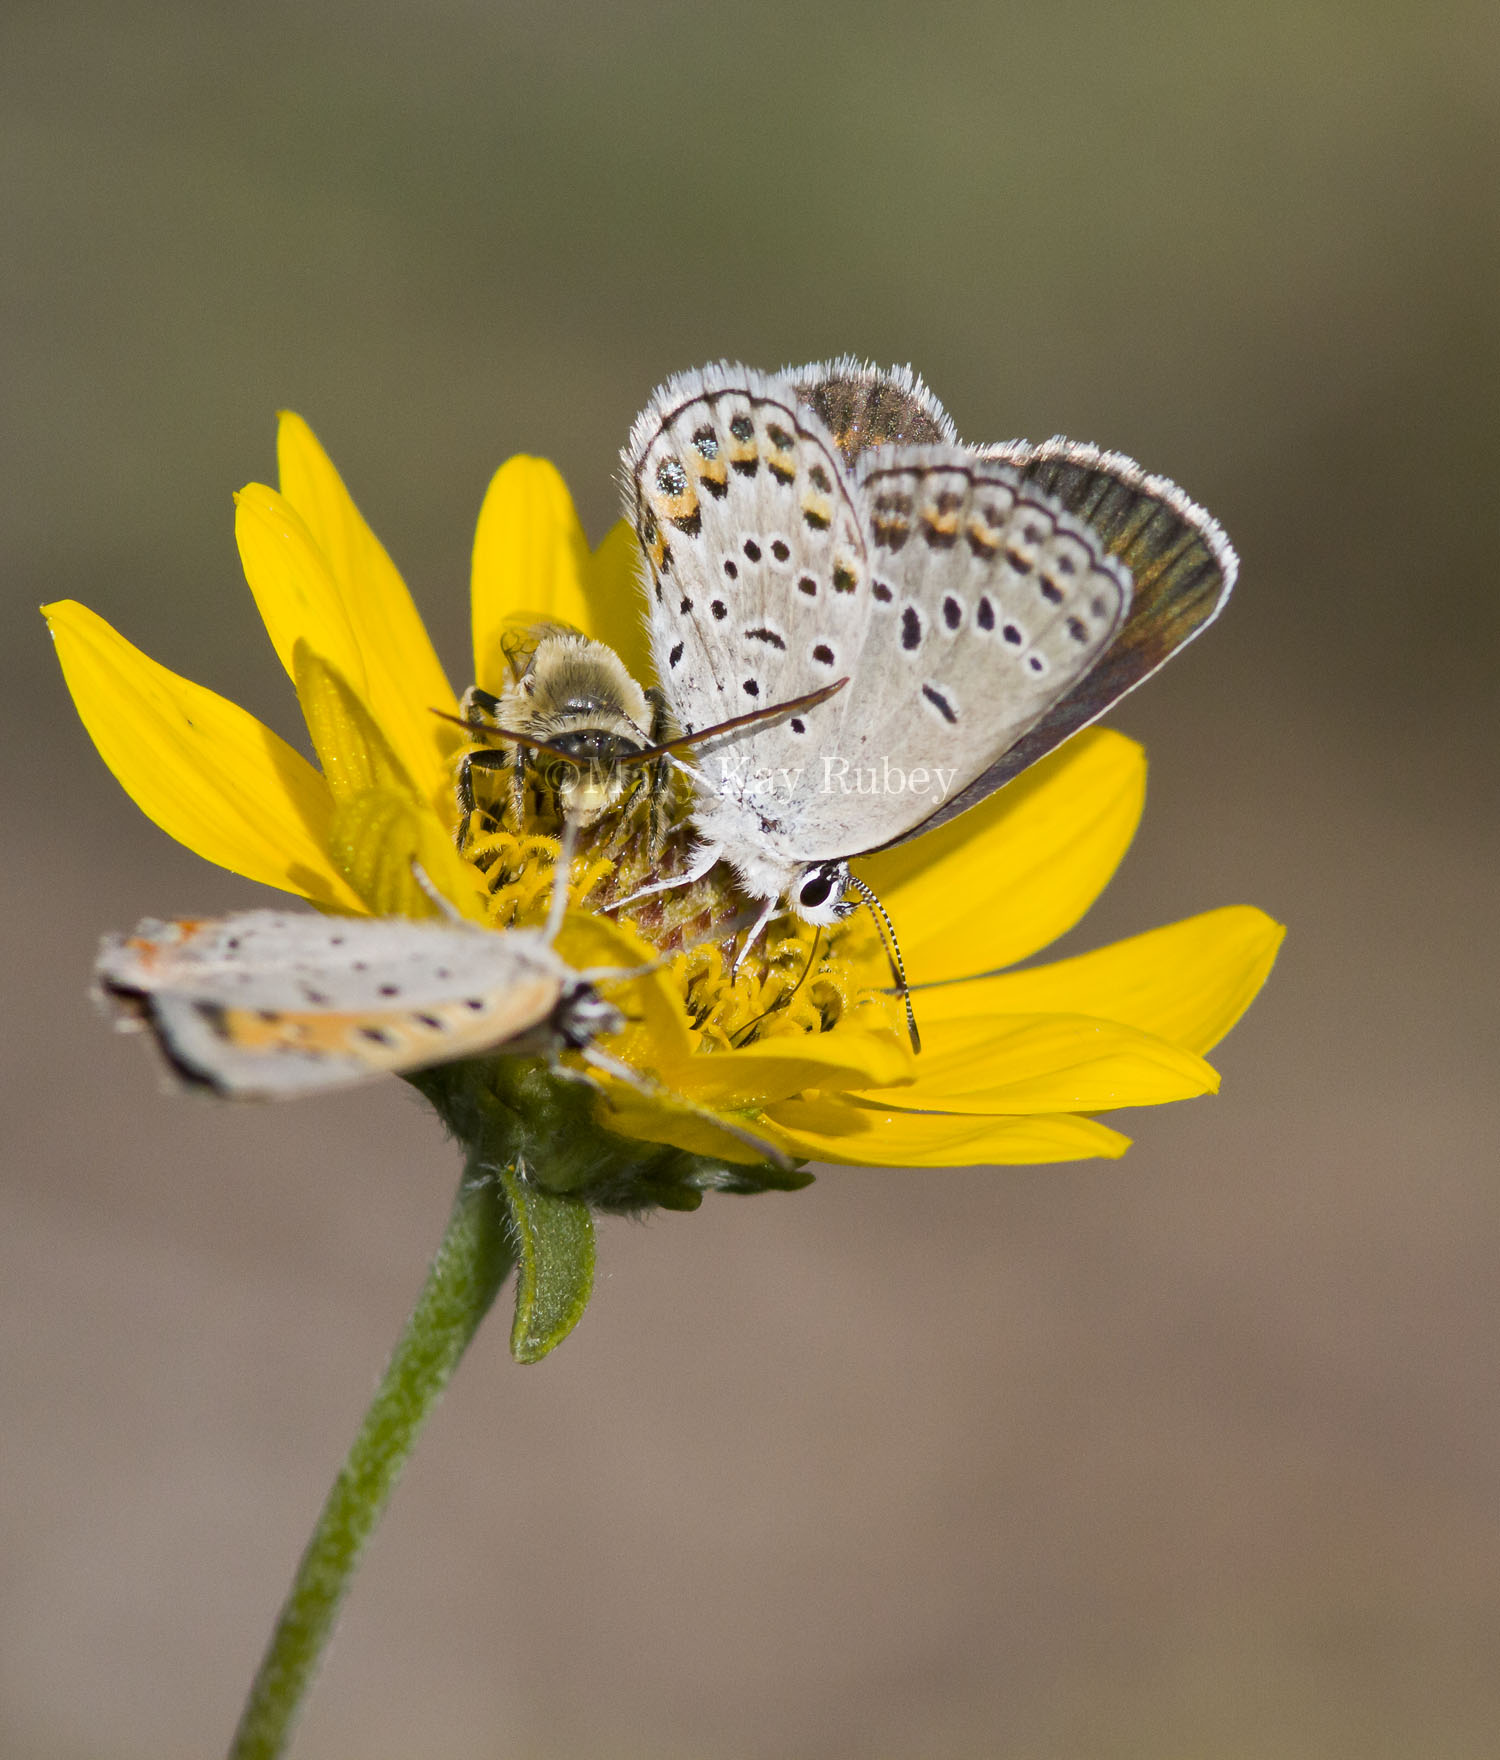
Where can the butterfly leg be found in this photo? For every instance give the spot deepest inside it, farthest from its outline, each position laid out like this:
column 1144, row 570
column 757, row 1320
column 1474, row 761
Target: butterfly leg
column 767, row 911
column 701, row 865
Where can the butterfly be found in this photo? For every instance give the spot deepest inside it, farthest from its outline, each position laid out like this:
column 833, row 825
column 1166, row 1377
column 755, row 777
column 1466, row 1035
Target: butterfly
column 269, row 1005
column 983, row 603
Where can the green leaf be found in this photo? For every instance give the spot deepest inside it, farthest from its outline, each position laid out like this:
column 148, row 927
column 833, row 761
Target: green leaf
column 555, row 1264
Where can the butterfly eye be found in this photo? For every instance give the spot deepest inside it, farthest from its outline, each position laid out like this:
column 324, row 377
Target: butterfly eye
column 816, row 889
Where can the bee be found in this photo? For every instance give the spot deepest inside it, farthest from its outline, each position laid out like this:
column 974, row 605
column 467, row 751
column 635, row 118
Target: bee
column 576, row 727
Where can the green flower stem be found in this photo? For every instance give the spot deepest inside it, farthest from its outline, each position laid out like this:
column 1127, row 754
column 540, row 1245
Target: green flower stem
column 472, row 1262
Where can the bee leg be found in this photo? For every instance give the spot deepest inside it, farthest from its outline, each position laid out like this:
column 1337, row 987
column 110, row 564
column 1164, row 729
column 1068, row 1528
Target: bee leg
column 477, row 704
column 463, row 788
column 663, row 727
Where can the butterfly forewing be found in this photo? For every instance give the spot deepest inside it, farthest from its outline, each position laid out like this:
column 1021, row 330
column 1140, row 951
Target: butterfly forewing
column 759, row 592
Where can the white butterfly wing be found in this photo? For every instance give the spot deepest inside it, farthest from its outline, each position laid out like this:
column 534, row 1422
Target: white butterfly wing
column 961, row 604
column 759, row 590
column 1182, row 571
column 268, row 1004
column 990, row 603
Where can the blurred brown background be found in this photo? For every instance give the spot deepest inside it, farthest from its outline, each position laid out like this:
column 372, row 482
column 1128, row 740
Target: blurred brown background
column 1195, row 1454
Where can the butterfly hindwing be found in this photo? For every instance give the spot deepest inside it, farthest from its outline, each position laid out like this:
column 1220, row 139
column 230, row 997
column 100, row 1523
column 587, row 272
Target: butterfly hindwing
column 1182, row 570
column 862, row 408
column 273, row 1003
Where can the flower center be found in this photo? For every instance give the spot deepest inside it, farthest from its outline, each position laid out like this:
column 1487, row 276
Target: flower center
column 795, row 980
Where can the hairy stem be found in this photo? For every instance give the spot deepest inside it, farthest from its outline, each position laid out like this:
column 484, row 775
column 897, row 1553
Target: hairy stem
column 470, row 1265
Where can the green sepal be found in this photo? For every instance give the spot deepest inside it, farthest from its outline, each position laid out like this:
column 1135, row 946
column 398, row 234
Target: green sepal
column 505, row 1108
column 554, row 1240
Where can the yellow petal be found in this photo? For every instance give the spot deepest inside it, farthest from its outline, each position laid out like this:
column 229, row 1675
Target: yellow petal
column 828, row 1128
column 656, row 1035
column 1047, row 1063
column 668, row 1118
column 382, row 825
column 1014, row 873
column 353, row 751
column 210, row 775
column 295, row 592
column 378, row 840
column 387, row 627
column 300, row 599
column 1187, row 983
column 530, row 562
column 532, row 565
column 617, row 601
column 773, row 1069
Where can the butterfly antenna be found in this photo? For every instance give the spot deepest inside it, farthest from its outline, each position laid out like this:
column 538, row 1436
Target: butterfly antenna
column 560, row 875
column 892, row 952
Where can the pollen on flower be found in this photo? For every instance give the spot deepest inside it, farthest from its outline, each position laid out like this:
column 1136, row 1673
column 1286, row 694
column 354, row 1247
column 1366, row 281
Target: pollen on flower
column 796, row 980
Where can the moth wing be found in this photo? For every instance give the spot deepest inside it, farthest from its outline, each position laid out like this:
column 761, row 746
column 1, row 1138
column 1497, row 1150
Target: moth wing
column 270, row 1004
column 1182, row 570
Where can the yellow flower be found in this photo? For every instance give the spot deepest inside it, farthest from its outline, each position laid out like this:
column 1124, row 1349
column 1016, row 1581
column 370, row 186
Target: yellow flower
column 804, row 1046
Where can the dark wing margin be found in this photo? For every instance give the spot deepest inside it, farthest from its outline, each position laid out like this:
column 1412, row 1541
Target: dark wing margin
column 1182, row 569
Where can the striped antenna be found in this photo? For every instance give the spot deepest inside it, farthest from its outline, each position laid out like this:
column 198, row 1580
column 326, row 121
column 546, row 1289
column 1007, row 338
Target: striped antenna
column 892, row 952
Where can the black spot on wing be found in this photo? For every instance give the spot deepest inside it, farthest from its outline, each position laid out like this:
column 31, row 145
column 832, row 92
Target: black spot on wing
column 911, row 628
column 940, row 703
